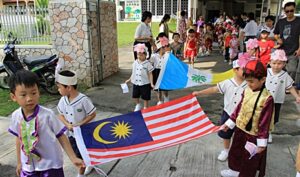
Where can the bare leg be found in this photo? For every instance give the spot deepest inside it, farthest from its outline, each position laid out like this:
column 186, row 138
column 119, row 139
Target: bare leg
column 136, row 100
column 146, row 104
column 226, row 143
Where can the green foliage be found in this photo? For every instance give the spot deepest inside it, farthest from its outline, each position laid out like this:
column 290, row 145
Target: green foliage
column 42, row 3
column 42, row 25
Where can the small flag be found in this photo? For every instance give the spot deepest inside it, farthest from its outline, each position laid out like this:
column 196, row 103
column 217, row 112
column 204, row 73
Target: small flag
column 154, row 128
column 176, row 74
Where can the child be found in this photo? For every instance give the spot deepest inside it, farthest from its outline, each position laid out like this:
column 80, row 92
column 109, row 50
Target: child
column 227, row 40
column 252, row 47
column 190, row 47
column 37, row 130
column 234, row 47
column 252, row 119
column 265, row 46
column 158, row 59
column 176, row 46
column 208, row 37
column 278, row 81
column 201, row 42
column 232, row 90
column 141, row 77
column 74, row 108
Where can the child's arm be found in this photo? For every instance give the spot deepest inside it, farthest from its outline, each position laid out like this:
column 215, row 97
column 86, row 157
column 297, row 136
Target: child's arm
column 65, row 122
column 207, row 91
column 63, row 140
column 150, row 76
column 298, row 160
column 86, row 120
column 295, row 94
column 18, row 151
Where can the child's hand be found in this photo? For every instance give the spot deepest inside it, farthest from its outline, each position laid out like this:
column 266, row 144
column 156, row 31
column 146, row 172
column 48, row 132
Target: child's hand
column 70, row 127
column 260, row 149
column 78, row 162
column 298, row 100
column 224, row 127
column 18, row 169
column 127, row 81
column 152, row 86
column 195, row 93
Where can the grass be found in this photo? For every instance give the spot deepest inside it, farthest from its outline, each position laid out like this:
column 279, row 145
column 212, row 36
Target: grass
column 7, row 106
column 126, row 31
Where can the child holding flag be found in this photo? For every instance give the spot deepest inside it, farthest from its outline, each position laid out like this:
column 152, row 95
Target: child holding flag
column 75, row 109
column 278, row 82
column 141, row 77
column 253, row 119
column 232, row 90
column 37, row 130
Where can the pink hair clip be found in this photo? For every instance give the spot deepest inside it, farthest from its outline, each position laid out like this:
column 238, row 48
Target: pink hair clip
column 279, row 54
column 163, row 41
column 252, row 43
column 140, row 48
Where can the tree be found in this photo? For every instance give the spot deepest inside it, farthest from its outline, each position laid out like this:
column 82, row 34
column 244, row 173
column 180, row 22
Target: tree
column 42, row 3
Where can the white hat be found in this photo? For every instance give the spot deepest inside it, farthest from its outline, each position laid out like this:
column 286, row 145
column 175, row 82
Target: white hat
column 67, row 80
column 265, row 29
column 235, row 64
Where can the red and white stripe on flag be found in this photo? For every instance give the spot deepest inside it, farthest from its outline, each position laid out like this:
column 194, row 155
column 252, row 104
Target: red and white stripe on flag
column 169, row 124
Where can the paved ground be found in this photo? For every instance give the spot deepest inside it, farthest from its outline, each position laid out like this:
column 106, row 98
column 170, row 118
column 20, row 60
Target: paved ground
column 196, row 158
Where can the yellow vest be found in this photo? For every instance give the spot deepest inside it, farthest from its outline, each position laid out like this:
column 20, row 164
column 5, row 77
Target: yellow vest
column 247, row 109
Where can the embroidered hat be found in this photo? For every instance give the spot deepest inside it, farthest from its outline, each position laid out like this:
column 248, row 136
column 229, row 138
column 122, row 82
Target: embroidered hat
column 67, row 80
column 256, row 69
column 279, row 54
column 140, row 48
column 252, row 44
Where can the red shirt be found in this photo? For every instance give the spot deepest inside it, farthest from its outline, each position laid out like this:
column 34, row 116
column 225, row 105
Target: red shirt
column 227, row 40
column 265, row 50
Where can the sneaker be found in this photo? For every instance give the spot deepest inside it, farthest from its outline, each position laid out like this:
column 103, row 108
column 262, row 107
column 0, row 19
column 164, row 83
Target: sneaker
column 229, row 173
column 160, row 102
column 137, row 107
column 223, row 156
column 166, row 99
column 88, row 170
column 270, row 139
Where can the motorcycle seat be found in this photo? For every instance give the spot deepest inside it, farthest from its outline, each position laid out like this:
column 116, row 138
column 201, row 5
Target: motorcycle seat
column 35, row 60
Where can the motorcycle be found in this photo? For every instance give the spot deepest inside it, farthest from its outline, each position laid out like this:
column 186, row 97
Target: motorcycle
column 43, row 66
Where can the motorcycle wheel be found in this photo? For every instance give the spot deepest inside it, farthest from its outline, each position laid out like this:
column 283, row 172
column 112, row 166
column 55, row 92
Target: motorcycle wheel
column 49, row 85
column 4, row 77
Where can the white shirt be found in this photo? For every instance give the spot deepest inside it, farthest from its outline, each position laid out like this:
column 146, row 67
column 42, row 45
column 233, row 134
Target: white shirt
column 76, row 110
column 140, row 71
column 49, row 129
column 250, row 28
column 232, row 94
column 157, row 60
column 143, row 30
column 276, row 84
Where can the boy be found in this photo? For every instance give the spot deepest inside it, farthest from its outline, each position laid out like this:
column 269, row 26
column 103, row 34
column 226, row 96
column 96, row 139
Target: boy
column 75, row 109
column 37, row 130
column 232, row 90
column 252, row 119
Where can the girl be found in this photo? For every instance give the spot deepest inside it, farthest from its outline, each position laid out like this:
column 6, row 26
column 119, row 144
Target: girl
column 181, row 26
column 158, row 59
column 252, row 119
column 251, row 48
column 227, row 40
column 176, row 46
column 190, row 47
column 265, row 46
column 234, row 47
column 278, row 82
column 141, row 77
column 163, row 25
column 208, row 37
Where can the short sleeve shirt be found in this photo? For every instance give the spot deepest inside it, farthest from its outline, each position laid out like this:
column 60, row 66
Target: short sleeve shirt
column 76, row 110
column 232, row 94
column 276, row 84
column 143, row 30
column 140, row 71
column 49, row 129
column 157, row 60
column 250, row 28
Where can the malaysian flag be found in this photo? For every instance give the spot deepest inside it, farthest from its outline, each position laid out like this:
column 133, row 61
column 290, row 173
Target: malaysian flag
column 154, row 128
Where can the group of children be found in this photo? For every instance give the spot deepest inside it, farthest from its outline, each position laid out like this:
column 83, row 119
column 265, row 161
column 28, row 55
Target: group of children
column 252, row 101
column 37, row 128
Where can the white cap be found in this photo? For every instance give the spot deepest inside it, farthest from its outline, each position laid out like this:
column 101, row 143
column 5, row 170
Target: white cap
column 67, row 80
column 235, row 64
column 265, row 29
